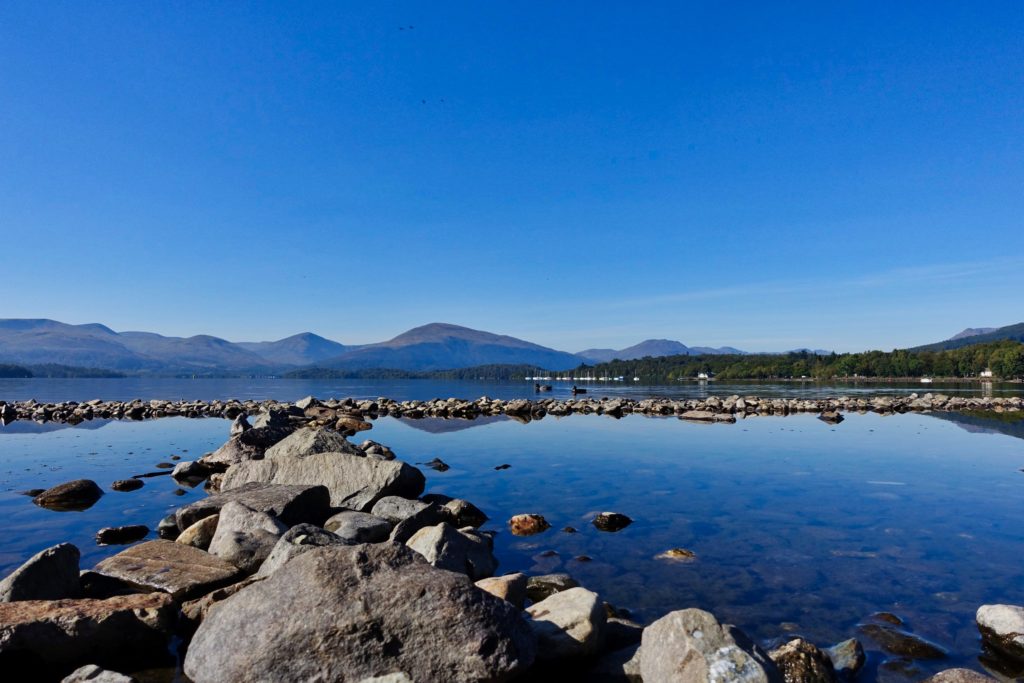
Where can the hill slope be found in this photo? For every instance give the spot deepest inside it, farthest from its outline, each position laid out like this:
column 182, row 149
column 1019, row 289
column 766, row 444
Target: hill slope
column 654, row 348
column 1011, row 332
column 305, row 348
column 442, row 346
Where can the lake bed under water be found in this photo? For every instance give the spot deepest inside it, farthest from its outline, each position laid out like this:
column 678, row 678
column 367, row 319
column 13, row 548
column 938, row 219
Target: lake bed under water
column 799, row 527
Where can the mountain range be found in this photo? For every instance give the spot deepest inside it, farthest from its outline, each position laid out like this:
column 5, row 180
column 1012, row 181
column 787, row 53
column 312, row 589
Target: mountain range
column 437, row 346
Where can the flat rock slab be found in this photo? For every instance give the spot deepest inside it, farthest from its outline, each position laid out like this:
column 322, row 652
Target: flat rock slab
column 175, row 568
column 292, row 504
column 44, row 639
column 355, row 482
column 348, row 613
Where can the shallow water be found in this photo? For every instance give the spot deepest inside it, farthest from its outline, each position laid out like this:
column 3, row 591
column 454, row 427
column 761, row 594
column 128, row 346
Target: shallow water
column 146, row 388
column 798, row 526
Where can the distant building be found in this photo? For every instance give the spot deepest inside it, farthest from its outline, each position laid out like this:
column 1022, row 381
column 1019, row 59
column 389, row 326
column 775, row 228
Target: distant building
column 705, row 375
column 985, row 374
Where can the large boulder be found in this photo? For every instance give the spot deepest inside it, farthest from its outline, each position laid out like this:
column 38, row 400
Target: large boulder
column 345, row 613
column 50, row 574
column 799, row 660
column 175, row 568
column 570, row 624
column 690, row 646
column 355, row 482
column 298, row 540
column 458, row 550
column 310, row 441
column 359, row 527
column 79, row 494
column 46, row 639
column 292, row 504
column 510, row 588
column 1002, row 628
column 245, row 537
column 407, row 516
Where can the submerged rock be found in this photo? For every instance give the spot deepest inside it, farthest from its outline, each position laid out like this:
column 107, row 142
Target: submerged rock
column 611, row 521
column 569, row 624
column 355, row 612
column 127, row 485
column 677, row 554
column 115, row 535
column 959, row 676
column 50, row 574
column 80, row 494
column 897, row 642
column 181, row 570
column 690, row 645
column 528, row 524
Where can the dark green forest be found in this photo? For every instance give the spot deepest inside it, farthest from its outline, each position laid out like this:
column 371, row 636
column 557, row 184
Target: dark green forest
column 14, row 371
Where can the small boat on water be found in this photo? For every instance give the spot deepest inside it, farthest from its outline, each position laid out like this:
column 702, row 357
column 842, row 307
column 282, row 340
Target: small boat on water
column 926, row 380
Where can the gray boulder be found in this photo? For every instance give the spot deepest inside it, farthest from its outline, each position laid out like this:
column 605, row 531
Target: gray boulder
column 45, row 637
column 90, row 673
column 296, row 541
column 291, row 504
column 359, row 527
column 1002, row 628
column 690, row 645
column 847, row 658
column 408, row 516
column 309, row 441
column 50, row 574
column 245, row 537
column 959, row 676
column 355, row 612
column 568, row 625
column 458, row 550
column 354, row 482
column 200, row 534
column 510, row 588
column 175, row 568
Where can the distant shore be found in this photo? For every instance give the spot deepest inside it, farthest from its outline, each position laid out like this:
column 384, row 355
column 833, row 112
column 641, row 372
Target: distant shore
column 357, row 411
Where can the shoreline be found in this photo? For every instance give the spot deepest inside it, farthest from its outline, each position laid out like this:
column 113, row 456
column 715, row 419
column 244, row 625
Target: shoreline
column 710, row 409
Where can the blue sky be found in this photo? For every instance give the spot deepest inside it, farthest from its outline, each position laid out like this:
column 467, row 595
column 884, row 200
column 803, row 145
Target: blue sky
column 837, row 175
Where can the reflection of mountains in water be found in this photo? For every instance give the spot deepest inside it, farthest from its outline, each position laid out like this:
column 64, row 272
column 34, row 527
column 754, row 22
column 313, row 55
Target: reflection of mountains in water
column 28, row 427
column 1010, row 424
column 441, row 425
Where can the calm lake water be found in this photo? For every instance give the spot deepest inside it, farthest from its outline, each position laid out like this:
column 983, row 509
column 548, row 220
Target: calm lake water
column 52, row 390
column 799, row 527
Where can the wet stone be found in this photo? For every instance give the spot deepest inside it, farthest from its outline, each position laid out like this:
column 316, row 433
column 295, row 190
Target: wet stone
column 80, row 494
column 611, row 521
column 897, row 642
column 127, row 485
column 121, row 534
column 528, row 524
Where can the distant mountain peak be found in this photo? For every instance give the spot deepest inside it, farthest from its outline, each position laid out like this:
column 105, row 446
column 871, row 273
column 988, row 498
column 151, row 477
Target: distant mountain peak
column 972, row 332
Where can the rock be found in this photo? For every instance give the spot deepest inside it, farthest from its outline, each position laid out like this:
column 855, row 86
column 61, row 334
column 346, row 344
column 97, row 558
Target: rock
column 167, row 528
column 127, row 485
column 831, row 416
column 190, row 472
column 462, row 513
column 897, row 642
column 887, row 617
column 44, row 639
column 541, row 587
column 200, row 534
column 80, row 494
column 690, row 645
column 503, row 466
column 677, row 554
column 290, row 504
column 799, row 660
column 310, row 441
column 181, row 570
column 465, row 551
column 847, row 658
column 621, row 632
column 306, row 403
column 296, row 541
column 611, row 521
column 438, row 465
column 510, row 588
column 568, row 625
column 354, row 612
column 618, row 666
column 245, row 537
column 232, row 452
column 408, row 516
column 698, row 416
column 90, row 673
column 528, row 524
column 50, row 574
column 32, row 493
column 1002, row 629
column 240, row 424
column 958, row 676
column 358, row 527
column 194, row 611
column 354, row 482
column 113, row 535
